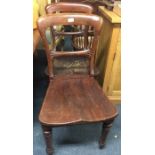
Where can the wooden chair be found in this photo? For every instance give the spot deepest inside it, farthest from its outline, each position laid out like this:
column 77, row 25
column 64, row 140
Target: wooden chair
column 73, row 99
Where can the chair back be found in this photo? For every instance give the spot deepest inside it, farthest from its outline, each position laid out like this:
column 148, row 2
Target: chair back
column 78, row 19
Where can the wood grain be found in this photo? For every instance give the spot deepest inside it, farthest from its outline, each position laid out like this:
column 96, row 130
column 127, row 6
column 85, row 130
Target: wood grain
column 109, row 55
column 75, row 99
column 110, row 15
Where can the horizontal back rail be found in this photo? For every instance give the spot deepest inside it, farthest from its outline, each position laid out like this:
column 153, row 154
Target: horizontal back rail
column 71, row 19
column 68, row 53
column 68, row 33
column 68, row 7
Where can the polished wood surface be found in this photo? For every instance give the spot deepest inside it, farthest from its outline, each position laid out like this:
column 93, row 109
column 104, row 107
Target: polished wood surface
column 105, row 130
column 108, row 57
column 73, row 99
column 47, row 131
column 68, row 7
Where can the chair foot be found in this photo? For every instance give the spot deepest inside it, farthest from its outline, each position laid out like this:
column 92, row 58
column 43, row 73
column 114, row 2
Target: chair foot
column 105, row 130
column 47, row 131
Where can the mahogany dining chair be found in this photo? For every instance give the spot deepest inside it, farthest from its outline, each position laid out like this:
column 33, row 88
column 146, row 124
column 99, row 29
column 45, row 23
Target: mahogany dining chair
column 73, row 98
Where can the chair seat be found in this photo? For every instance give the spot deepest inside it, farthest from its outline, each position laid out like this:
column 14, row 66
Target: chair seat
column 75, row 99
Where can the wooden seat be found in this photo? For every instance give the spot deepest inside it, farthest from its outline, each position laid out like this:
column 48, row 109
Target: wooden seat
column 75, row 98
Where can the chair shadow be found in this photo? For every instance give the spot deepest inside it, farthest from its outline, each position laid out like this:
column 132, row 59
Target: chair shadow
column 77, row 134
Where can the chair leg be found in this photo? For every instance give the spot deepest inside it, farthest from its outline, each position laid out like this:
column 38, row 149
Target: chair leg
column 105, row 130
column 47, row 131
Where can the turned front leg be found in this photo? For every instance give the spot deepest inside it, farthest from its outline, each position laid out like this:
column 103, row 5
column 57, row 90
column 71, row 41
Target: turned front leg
column 105, row 129
column 47, row 131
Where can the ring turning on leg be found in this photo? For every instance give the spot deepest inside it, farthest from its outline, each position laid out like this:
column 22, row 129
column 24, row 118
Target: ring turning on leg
column 47, row 131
